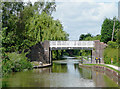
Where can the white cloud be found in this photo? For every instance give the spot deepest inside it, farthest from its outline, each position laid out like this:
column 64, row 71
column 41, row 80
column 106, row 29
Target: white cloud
column 86, row 0
column 84, row 17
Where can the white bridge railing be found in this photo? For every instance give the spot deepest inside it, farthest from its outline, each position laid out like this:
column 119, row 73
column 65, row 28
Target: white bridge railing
column 57, row 44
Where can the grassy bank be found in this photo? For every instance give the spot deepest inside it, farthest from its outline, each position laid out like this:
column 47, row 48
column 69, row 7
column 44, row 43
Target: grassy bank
column 103, row 66
column 111, row 54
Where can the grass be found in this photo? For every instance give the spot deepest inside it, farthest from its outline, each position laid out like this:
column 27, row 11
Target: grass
column 104, row 66
column 116, row 65
column 111, row 53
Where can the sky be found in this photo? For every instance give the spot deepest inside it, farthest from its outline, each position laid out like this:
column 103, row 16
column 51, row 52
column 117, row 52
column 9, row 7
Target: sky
column 84, row 16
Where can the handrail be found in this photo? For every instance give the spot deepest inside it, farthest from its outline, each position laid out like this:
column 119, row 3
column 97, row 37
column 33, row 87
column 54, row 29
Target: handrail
column 71, row 44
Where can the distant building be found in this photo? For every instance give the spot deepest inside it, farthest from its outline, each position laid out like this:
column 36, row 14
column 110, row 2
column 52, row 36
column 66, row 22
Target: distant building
column 119, row 10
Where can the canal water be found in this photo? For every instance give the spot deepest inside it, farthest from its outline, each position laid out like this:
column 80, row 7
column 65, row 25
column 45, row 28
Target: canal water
column 63, row 73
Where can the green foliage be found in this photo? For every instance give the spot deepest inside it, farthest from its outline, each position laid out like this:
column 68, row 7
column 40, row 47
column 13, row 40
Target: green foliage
column 118, row 37
column 112, row 44
column 83, row 36
column 43, row 27
column 14, row 62
column 89, row 37
column 29, row 24
column 25, row 25
column 76, row 52
column 118, row 42
column 107, row 29
column 106, row 34
column 55, row 55
column 85, row 52
column 110, row 53
column 97, row 37
column 10, row 10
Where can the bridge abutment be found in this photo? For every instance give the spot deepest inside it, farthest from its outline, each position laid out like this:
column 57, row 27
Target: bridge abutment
column 47, row 51
column 98, row 50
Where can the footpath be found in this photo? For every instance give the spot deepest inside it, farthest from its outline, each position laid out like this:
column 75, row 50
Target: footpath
column 115, row 67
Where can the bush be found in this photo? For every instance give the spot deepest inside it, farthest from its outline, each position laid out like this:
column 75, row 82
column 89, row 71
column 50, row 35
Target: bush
column 111, row 53
column 112, row 44
column 107, row 60
column 14, row 62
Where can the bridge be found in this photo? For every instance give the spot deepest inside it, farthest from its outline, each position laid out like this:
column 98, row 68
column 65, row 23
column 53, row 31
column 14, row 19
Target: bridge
column 96, row 47
column 56, row 45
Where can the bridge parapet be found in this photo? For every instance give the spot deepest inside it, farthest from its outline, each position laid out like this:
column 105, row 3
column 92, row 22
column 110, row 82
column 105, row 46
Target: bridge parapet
column 72, row 44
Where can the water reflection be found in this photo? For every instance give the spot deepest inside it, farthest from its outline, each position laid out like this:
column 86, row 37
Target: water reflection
column 66, row 74
column 59, row 68
column 86, row 73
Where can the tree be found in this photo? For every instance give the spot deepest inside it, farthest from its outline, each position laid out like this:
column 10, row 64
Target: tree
column 107, row 29
column 10, row 16
column 118, row 38
column 16, row 15
column 25, row 25
column 43, row 27
column 10, row 9
column 97, row 37
column 83, row 36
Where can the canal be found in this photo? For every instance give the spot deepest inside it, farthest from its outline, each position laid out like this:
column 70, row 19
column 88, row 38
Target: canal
column 63, row 73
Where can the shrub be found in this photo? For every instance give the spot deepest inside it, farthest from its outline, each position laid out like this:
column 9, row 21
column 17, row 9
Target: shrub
column 14, row 62
column 112, row 44
column 111, row 53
